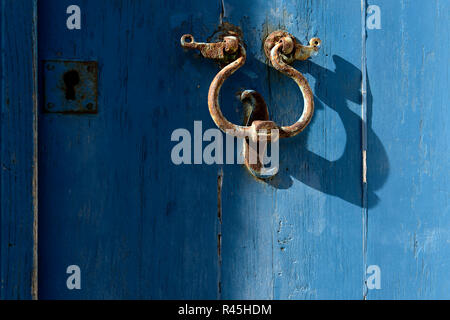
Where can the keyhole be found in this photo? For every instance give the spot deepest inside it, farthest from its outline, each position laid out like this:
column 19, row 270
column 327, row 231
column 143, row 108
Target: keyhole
column 71, row 79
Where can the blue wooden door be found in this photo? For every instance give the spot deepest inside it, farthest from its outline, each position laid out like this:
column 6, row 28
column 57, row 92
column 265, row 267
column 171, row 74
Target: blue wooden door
column 363, row 188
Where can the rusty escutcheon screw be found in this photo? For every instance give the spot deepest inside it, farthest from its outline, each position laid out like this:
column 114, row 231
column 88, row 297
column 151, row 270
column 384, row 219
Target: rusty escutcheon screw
column 282, row 49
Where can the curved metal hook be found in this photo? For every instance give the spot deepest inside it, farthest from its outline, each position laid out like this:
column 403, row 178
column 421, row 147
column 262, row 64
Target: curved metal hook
column 279, row 43
column 257, row 128
column 281, row 49
column 300, row 80
column 213, row 97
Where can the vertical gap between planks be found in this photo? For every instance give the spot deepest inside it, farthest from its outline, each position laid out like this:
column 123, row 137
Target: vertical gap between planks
column 2, row 94
column 34, row 276
column 219, row 233
column 364, row 141
column 222, row 15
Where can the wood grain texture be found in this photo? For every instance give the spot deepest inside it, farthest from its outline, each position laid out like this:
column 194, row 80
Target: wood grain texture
column 409, row 227
column 299, row 236
column 18, row 269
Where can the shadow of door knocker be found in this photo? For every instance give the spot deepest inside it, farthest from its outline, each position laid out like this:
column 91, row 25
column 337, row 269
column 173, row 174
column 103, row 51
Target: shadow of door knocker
column 282, row 49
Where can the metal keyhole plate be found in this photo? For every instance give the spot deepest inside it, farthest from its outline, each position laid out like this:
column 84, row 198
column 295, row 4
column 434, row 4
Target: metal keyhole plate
column 70, row 86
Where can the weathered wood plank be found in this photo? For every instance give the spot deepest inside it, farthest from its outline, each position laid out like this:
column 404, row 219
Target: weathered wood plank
column 111, row 200
column 18, row 267
column 300, row 235
column 409, row 223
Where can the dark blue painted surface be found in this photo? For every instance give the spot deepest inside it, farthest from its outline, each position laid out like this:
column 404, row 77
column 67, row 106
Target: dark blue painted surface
column 18, row 269
column 112, row 202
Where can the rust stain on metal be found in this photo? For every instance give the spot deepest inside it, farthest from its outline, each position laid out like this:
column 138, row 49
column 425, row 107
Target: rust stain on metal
column 216, row 50
column 71, row 87
column 224, row 51
column 308, row 109
column 256, row 111
column 291, row 49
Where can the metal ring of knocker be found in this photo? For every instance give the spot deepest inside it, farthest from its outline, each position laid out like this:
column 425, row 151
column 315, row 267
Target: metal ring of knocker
column 281, row 48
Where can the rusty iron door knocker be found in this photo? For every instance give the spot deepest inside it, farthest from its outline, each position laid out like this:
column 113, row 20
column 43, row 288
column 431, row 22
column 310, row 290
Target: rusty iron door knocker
column 282, row 49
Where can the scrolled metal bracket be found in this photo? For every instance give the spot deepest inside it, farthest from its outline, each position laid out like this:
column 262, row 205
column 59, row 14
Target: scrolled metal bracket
column 282, row 49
